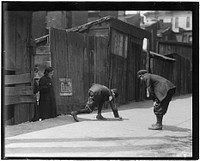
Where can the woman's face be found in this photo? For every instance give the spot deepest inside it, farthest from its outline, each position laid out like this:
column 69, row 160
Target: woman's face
column 50, row 74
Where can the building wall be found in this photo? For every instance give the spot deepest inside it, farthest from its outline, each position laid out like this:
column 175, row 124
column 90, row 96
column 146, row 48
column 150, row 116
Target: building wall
column 153, row 30
column 42, row 20
column 182, row 18
column 94, row 15
column 39, row 24
column 79, row 18
column 57, row 19
column 132, row 19
column 170, row 16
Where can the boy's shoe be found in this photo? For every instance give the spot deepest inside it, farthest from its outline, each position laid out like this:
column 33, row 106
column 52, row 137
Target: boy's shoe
column 155, row 127
column 119, row 118
column 100, row 117
column 74, row 116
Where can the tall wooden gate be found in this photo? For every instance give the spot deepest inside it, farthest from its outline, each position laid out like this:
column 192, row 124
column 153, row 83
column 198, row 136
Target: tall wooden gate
column 78, row 62
column 18, row 57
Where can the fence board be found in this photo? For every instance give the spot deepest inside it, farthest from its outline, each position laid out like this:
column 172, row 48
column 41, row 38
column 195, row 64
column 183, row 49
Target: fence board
column 9, row 100
column 19, row 59
column 17, row 79
column 101, row 61
column 14, row 91
column 10, row 40
column 68, row 49
column 182, row 68
column 182, row 49
column 76, row 50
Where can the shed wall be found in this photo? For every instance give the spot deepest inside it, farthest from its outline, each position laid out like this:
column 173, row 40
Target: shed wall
column 182, row 49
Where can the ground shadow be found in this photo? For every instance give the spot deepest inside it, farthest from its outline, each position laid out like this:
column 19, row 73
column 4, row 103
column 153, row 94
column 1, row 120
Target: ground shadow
column 148, row 103
column 175, row 128
column 107, row 119
column 181, row 97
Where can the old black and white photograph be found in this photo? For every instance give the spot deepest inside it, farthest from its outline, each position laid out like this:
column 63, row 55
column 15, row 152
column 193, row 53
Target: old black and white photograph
column 99, row 80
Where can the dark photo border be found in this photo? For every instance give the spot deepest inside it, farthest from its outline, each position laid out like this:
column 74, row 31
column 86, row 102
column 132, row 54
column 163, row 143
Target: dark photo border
column 128, row 6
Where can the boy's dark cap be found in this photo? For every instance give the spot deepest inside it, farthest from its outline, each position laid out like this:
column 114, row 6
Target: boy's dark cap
column 142, row 71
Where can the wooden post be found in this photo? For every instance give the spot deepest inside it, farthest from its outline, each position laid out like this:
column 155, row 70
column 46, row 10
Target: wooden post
column 148, row 57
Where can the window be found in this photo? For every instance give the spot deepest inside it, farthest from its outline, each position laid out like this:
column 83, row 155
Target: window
column 187, row 22
column 119, row 44
column 176, row 22
column 190, row 38
column 144, row 46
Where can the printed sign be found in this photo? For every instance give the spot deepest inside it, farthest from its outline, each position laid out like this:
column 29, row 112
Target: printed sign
column 65, row 87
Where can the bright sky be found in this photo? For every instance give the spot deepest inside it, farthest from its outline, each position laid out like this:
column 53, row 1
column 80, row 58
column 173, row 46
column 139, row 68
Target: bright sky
column 133, row 12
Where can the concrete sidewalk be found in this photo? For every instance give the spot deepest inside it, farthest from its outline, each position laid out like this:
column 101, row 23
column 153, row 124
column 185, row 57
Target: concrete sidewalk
column 112, row 138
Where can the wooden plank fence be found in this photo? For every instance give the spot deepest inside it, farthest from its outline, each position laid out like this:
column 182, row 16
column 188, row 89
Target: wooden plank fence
column 182, row 71
column 18, row 79
column 18, row 92
column 180, row 48
column 81, row 59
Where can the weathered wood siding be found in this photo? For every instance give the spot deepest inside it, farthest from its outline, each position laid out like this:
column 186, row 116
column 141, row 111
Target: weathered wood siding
column 163, row 68
column 82, row 59
column 18, row 52
column 142, row 86
column 125, row 62
column 177, row 72
column 181, row 75
column 133, row 58
column 118, row 64
column 182, row 49
column 182, row 72
column 67, row 55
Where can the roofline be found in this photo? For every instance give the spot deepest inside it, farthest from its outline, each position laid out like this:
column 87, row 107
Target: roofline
column 40, row 39
column 159, row 56
column 129, row 29
column 174, row 43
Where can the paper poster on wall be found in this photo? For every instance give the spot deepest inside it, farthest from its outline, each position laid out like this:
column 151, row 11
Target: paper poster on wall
column 65, row 87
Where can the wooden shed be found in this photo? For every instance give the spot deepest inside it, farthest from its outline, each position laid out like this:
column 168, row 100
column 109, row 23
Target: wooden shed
column 182, row 75
column 18, row 50
column 162, row 65
column 173, row 67
column 180, row 48
column 182, row 72
column 106, row 51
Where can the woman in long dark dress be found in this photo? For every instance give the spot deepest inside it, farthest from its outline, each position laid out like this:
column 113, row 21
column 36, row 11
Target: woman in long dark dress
column 47, row 104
